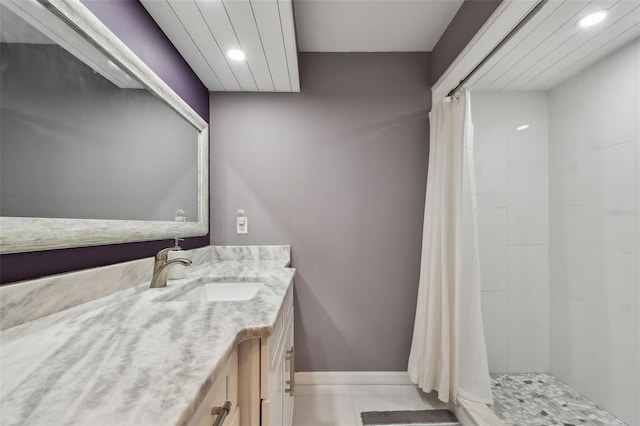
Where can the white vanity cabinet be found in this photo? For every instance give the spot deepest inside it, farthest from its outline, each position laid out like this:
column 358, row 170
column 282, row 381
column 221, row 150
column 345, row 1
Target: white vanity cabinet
column 277, row 356
column 221, row 402
column 266, row 374
column 289, row 373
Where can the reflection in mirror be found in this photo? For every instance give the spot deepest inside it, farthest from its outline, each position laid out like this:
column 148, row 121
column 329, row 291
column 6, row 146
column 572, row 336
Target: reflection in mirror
column 81, row 138
column 101, row 160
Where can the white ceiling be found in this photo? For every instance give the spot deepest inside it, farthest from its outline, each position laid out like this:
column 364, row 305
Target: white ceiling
column 372, row 25
column 552, row 47
column 204, row 30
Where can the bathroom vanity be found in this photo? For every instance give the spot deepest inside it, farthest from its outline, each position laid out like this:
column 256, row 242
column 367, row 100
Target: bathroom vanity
column 99, row 347
column 147, row 356
column 256, row 384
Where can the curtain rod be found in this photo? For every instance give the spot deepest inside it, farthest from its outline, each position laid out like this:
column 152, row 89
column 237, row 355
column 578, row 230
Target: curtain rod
column 454, row 92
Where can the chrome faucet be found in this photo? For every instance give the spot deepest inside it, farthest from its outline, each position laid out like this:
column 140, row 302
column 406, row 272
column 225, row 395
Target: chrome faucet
column 161, row 264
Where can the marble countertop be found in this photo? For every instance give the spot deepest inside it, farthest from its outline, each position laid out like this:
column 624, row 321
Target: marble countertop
column 132, row 358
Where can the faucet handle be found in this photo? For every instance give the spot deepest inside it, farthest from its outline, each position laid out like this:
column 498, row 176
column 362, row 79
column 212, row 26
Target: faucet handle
column 164, row 253
column 176, row 243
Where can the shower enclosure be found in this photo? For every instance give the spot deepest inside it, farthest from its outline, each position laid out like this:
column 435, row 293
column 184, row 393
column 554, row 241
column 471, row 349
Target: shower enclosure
column 558, row 181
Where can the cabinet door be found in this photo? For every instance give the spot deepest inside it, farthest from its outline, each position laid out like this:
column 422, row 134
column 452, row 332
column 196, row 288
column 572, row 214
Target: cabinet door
column 288, row 374
column 273, row 363
column 272, row 414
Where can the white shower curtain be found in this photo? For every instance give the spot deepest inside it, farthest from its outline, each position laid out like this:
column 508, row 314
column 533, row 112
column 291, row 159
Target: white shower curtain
column 448, row 352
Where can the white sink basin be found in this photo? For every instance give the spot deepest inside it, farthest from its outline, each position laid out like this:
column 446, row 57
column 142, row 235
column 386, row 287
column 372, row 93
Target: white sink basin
column 223, row 291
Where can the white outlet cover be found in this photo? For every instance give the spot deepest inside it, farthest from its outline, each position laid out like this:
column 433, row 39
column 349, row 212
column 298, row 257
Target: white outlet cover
column 242, row 225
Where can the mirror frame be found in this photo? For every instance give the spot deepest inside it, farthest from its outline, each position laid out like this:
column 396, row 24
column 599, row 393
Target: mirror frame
column 24, row 234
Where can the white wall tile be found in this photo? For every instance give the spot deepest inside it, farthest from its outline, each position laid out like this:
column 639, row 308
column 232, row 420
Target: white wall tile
column 528, row 350
column 526, row 107
column 609, row 112
column 516, row 217
column 566, row 135
column 489, row 115
column 637, row 209
column 567, row 95
column 491, row 183
column 492, row 236
column 610, row 199
column 566, row 251
column 566, row 156
column 566, row 351
column 612, row 385
column 528, row 281
column 566, row 182
column 638, row 364
column 528, row 203
column 596, row 113
column 613, row 72
column 496, row 328
column 530, row 144
column 489, row 142
column 610, row 305
column 610, row 121
column 489, row 108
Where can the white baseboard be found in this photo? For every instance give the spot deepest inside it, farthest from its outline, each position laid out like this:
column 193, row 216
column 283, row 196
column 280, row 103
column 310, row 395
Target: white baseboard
column 353, row 378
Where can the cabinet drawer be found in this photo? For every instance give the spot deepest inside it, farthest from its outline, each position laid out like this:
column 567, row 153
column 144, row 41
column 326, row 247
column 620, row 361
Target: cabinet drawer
column 224, row 389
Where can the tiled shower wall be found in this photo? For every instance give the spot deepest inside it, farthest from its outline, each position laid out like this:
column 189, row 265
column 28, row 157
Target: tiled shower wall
column 512, row 172
column 594, row 239
column 559, row 230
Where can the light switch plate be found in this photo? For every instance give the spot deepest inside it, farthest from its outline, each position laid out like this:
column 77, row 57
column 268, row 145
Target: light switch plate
column 242, row 225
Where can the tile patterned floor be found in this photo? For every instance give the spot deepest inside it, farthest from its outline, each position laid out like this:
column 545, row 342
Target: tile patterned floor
column 541, row 399
column 340, row 405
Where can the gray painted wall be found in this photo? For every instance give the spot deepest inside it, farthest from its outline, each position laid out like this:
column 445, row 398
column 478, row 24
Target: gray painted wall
column 339, row 172
column 465, row 24
column 76, row 146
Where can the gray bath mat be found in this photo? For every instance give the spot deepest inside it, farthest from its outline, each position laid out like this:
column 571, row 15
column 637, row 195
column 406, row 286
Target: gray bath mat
column 417, row 417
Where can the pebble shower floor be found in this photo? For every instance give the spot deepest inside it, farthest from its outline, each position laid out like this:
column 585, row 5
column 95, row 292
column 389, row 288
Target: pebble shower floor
column 541, row 399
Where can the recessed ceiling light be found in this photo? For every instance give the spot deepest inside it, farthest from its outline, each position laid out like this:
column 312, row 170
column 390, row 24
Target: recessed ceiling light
column 593, row 19
column 523, row 127
column 236, row 54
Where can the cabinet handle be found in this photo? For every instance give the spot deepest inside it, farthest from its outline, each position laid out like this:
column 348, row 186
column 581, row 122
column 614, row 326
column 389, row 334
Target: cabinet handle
column 291, row 357
column 221, row 413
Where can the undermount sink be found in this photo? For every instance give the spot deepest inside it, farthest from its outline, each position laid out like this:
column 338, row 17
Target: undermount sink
column 220, row 291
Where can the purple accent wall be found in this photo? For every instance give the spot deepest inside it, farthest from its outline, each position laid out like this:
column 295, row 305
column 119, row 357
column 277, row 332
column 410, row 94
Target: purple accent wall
column 339, row 172
column 131, row 22
column 465, row 24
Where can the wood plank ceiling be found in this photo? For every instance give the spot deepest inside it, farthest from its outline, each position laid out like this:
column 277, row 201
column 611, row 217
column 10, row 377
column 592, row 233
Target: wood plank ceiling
column 204, row 30
column 552, row 46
